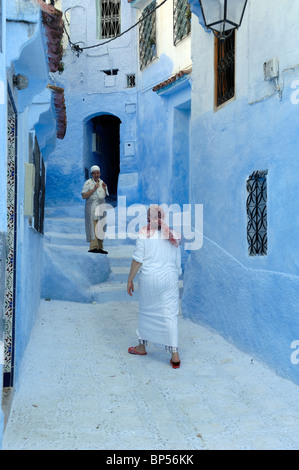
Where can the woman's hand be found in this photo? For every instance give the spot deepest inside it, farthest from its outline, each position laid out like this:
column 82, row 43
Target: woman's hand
column 133, row 271
column 130, row 288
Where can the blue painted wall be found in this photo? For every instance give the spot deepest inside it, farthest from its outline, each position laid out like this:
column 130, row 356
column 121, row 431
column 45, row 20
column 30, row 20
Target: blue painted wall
column 89, row 92
column 163, row 137
column 25, row 52
column 153, row 149
column 29, row 246
column 180, row 160
column 251, row 301
column 28, row 289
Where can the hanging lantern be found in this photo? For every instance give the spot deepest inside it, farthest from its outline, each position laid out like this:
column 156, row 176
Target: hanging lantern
column 223, row 16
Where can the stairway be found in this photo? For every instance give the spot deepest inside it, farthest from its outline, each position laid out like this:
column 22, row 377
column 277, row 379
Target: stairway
column 71, row 273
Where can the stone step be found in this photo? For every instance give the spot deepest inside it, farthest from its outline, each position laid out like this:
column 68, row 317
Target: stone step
column 79, row 239
column 108, row 291
column 119, row 273
column 65, row 225
column 69, row 267
column 117, row 251
column 56, row 238
column 71, row 230
column 67, row 273
column 76, row 225
column 117, row 290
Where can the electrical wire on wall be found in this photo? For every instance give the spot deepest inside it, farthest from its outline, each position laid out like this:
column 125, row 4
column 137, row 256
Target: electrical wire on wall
column 79, row 49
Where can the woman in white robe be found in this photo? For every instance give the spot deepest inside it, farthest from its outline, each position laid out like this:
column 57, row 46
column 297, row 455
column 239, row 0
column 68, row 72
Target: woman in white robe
column 157, row 255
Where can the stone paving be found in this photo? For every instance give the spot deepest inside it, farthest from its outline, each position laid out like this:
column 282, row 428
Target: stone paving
column 80, row 389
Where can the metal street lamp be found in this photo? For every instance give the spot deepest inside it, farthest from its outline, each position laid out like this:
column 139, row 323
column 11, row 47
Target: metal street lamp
column 223, row 16
column 21, row 82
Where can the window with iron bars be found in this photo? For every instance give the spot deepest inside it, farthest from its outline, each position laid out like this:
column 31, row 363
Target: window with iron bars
column 131, row 83
column 108, row 19
column 256, row 206
column 181, row 20
column 224, row 69
column 39, row 189
column 147, row 36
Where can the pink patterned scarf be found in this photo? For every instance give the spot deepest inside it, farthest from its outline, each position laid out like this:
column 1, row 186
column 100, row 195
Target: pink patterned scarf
column 155, row 221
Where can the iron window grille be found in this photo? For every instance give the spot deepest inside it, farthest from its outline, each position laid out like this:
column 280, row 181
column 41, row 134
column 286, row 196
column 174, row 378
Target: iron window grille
column 109, row 18
column 256, row 206
column 131, row 83
column 39, row 189
column 181, row 20
column 225, row 69
column 147, row 36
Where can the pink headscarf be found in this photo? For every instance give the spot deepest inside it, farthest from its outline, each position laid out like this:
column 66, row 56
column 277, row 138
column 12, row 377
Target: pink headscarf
column 155, row 221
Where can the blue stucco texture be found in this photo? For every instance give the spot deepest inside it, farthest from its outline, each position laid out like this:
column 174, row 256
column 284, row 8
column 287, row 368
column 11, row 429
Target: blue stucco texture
column 67, row 274
column 252, row 301
column 256, row 310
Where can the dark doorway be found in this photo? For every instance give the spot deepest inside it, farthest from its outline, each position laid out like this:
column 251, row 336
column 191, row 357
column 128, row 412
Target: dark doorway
column 105, row 150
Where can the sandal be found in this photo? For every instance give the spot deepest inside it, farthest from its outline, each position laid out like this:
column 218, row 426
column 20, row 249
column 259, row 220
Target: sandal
column 175, row 365
column 133, row 350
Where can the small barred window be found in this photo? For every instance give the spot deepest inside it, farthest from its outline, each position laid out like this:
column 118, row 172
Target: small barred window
column 131, row 81
column 39, row 189
column 224, row 69
column 256, row 206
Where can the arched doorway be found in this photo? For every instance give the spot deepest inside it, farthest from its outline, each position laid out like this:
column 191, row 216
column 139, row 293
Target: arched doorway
column 102, row 149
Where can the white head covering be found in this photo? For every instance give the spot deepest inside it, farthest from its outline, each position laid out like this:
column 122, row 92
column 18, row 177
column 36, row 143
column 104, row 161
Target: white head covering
column 94, row 168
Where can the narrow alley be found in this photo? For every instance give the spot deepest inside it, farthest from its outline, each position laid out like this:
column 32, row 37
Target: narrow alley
column 84, row 391
column 190, row 105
